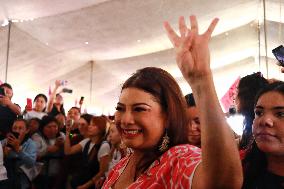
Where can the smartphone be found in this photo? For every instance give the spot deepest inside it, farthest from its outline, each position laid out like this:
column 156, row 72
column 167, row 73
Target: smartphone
column 16, row 135
column 65, row 90
column 278, row 52
column 81, row 100
column 2, row 91
column 29, row 104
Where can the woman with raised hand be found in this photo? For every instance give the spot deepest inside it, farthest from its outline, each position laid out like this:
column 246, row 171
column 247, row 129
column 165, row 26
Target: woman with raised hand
column 151, row 116
column 55, row 103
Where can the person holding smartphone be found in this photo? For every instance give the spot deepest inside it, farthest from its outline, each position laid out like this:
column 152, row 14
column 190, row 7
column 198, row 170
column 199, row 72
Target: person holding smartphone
column 55, row 103
column 8, row 110
column 20, row 150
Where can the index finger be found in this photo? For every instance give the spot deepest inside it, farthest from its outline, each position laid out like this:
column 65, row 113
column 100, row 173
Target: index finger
column 171, row 34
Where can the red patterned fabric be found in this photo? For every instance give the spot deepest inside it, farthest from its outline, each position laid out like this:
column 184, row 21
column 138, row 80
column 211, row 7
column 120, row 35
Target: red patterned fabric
column 174, row 170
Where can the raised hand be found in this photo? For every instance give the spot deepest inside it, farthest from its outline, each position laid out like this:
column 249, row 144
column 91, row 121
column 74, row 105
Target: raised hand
column 58, row 83
column 192, row 52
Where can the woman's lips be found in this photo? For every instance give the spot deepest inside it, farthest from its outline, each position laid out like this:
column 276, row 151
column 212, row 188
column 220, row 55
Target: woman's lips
column 264, row 136
column 131, row 132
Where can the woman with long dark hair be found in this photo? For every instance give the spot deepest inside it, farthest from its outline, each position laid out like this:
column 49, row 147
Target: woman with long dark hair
column 264, row 160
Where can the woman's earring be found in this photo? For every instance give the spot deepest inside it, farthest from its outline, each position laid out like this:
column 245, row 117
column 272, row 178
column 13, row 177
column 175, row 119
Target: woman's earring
column 165, row 142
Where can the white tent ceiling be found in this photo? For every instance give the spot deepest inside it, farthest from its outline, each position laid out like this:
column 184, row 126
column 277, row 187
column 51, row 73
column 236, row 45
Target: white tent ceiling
column 59, row 39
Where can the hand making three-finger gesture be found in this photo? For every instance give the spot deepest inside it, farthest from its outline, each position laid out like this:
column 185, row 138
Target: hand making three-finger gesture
column 192, row 52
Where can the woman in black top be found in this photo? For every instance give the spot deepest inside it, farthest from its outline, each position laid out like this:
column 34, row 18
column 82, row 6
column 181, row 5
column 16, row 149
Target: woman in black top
column 264, row 160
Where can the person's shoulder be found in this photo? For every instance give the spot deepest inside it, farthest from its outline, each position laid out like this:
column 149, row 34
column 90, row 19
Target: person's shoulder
column 183, row 149
column 84, row 141
column 30, row 143
column 105, row 144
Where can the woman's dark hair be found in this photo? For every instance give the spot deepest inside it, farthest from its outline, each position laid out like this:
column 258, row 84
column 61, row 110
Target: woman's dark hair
column 87, row 118
column 35, row 119
column 248, row 88
column 22, row 120
column 101, row 123
column 45, row 121
column 43, row 96
column 6, row 85
column 76, row 108
column 163, row 87
column 255, row 162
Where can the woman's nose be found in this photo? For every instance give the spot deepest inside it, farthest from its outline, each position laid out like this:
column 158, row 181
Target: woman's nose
column 267, row 121
column 194, row 126
column 127, row 118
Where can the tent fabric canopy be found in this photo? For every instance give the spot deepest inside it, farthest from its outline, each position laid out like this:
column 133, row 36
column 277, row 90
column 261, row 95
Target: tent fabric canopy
column 64, row 39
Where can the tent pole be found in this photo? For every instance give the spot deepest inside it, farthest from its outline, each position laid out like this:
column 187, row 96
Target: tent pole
column 8, row 49
column 265, row 37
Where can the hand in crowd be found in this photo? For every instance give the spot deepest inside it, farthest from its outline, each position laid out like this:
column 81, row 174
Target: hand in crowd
column 58, row 83
column 5, row 101
column 28, row 108
column 13, row 141
column 192, row 52
column 68, row 128
column 59, row 141
column 100, row 182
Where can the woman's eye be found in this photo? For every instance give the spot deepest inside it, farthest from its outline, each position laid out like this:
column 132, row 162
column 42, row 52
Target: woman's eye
column 258, row 113
column 118, row 108
column 280, row 114
column 197, row 122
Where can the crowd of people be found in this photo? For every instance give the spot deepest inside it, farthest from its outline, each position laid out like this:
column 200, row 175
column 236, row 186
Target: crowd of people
column 159, row 138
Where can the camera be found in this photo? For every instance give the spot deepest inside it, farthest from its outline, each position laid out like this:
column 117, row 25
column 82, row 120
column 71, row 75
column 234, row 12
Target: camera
column 278, row 52
column 2, row 92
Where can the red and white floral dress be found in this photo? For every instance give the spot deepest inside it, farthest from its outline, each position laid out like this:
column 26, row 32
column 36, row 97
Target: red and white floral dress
column 175, row 169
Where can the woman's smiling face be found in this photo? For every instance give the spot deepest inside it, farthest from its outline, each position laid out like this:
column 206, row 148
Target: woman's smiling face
column 140, row 119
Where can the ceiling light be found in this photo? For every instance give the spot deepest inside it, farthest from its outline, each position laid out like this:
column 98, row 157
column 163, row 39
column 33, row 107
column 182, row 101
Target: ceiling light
column 138, row 41
column 86, row 42
column 15, row 20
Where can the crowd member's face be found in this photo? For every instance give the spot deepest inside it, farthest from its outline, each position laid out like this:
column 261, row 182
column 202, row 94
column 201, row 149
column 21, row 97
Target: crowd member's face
column 83, row 127
column 61, row 120
column 58, row 99
column 39, row 104
column 8, row 92
column 33, row 126
column 194, row 132
column 50, row 130
column 268, row 126
column 139, row 119
column 114, row 135
column 93, row 130
column 73, row 114
column 21, row 128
